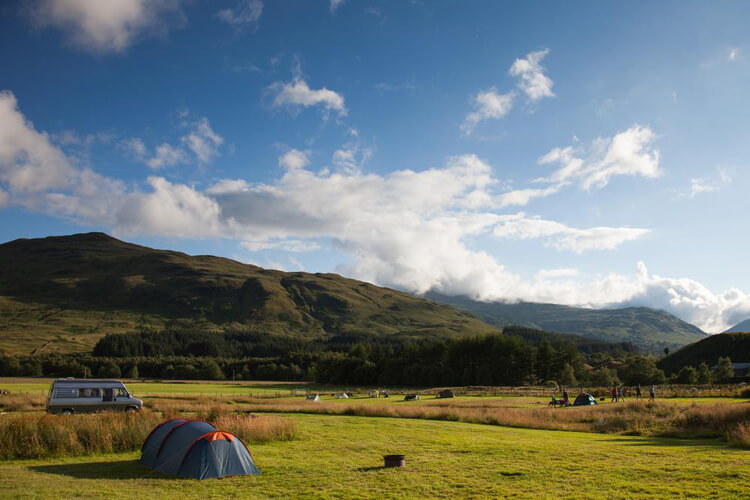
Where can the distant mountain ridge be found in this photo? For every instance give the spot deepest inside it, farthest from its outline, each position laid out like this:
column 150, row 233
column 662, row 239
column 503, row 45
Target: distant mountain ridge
column 743, row 326
column 646, row 328
column 61, row 294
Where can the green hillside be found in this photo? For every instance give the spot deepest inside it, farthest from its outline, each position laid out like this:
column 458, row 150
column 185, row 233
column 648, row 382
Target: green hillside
column 61, row 294
column 646, row 328
column 743, row 326
column 736, row 346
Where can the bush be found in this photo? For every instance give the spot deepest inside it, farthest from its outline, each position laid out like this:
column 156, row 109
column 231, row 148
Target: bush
column 109, row 370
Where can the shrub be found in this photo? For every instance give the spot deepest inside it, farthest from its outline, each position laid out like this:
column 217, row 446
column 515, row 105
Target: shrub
column 739, row 435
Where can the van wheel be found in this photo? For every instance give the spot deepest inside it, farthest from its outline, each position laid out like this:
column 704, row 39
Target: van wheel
column 67, row 412
column 131, row 409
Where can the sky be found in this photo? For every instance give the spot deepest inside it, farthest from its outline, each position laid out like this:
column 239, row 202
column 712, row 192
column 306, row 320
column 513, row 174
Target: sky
column 583, row 153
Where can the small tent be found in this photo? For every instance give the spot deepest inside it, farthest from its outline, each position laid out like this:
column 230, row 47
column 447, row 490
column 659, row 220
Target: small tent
column 446, row 393
column 196, row 449
column 312, row 397
column 343, row 395
column 584, row 399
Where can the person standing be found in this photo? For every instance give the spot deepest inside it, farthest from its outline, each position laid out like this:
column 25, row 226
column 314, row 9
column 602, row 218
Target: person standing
column 620, row 394
column 565, row 397
column 651, row 393
column 614, row 394
column 638, row 391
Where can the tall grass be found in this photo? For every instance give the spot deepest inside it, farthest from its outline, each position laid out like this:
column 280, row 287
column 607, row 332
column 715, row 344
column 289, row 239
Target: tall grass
column 33, row 435
column 257, row 429
column 22, row 402
column 39, row 436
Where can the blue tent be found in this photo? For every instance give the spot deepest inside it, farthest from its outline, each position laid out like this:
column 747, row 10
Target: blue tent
column 584, row 399
column 196, row 449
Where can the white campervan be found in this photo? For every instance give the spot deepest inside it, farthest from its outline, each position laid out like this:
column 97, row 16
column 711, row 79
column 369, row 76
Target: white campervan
column 69, row 395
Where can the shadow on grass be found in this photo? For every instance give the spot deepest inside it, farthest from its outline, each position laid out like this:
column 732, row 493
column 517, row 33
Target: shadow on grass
column 705, row 442
column 371, row 469
column 123, row 469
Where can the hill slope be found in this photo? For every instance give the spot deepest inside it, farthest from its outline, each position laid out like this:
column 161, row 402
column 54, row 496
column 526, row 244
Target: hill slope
column 743, row 326
column 64, row 293
column 646, row 328
column 734, row 345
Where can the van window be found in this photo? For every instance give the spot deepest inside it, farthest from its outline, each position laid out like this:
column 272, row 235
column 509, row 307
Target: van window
column 122, row 393
column 65, row 393
column 89, row 392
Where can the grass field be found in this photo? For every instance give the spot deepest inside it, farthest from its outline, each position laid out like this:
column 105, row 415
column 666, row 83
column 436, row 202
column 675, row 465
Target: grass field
column 42, row 385
column 341, row 457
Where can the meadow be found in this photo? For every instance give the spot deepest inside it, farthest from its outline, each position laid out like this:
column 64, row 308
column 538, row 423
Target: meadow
column 341, row 457
column 478, row 444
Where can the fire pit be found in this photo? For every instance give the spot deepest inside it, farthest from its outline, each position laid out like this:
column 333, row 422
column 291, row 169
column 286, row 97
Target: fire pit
column 394, row 460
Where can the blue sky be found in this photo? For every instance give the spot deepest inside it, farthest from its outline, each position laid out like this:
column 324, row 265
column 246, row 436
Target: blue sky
column 586, row 153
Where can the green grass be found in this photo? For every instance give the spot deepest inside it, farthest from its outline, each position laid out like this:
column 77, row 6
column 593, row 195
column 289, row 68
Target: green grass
column 42, row 385
column 341, row 457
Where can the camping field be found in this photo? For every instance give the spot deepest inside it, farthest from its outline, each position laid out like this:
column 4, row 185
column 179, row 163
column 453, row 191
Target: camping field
column 339, row 444
column 341, row 457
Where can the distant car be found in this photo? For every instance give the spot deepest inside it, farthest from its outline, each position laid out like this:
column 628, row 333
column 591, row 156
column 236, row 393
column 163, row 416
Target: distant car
column 69, row 395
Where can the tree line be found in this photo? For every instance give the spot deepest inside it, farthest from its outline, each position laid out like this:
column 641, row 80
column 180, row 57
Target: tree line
column 520, row 356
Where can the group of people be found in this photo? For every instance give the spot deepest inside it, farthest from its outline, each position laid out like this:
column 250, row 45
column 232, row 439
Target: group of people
column 617, row 393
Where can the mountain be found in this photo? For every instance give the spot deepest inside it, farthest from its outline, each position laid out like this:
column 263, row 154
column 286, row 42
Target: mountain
column 743, row 326
column 62, row 294
column 646, row 328
column 734, row 345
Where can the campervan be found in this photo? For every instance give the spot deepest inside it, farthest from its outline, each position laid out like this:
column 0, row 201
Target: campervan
column 69, row 395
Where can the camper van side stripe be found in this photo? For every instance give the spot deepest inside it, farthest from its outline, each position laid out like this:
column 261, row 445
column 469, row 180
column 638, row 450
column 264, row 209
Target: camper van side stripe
column 154, row 430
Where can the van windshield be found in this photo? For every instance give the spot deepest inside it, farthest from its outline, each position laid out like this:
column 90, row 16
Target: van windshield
column 122, row 393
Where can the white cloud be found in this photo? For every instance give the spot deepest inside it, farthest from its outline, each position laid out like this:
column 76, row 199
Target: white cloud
column 228, row 186
column 29, row 162
column 524, row 196
column 713, row 184
column 169, row 209
column 246, row 14
column 200, row 140
column 488, row 104
column 293, row 159
column 564, row 237
column 134, row 147
column 287, row 245
column 297, row 93
column 627, row 153
column 166, row 155
column 734, row 53
column 351, row 156
column 203, row 141
column 335, row 4
column 533, row 82
column 106, row 25
column 548, row 274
